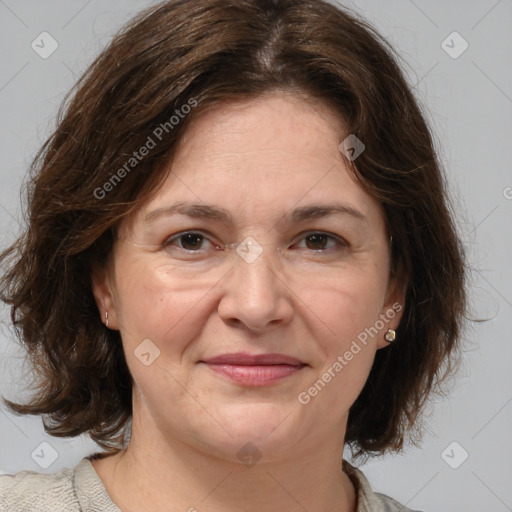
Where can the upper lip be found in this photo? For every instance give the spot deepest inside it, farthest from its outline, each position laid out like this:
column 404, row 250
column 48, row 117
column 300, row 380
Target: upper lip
column 241, row 358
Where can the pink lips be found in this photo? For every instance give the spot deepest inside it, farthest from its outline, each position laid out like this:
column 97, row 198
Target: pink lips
column 254, row 370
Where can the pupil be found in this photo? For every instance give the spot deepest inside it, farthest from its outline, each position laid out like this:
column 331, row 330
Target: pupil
column 189, row 240
column 316, row 239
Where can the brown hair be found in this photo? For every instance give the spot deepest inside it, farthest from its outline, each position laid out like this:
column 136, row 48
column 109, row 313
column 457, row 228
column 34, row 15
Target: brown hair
column 206, row 51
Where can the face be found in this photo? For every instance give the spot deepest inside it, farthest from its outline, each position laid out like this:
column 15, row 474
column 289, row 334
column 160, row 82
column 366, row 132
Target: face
column 307, row 288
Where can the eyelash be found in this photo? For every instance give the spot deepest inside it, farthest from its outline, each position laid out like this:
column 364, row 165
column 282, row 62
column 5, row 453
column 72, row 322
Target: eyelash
column 340, row 241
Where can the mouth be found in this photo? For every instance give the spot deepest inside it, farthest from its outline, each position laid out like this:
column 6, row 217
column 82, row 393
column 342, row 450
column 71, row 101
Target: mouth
column 254, row 370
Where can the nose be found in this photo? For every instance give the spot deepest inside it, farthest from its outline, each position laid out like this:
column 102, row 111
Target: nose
column 255, row 295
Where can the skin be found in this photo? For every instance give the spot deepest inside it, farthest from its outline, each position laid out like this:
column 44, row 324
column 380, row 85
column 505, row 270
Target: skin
column 258, row 160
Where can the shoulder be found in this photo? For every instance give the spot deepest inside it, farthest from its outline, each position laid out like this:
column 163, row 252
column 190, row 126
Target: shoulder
column 368, row 500
column 28, row 490
column 390, row 505
column 69, row 490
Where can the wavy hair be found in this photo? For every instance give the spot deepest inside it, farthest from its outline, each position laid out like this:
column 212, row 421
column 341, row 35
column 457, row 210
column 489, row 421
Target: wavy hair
column 212, row 51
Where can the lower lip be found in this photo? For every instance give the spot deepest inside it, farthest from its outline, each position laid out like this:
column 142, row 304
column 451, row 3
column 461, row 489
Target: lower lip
column 255, row 375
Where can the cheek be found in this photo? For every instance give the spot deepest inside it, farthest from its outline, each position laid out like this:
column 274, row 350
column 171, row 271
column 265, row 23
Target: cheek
column 153, row 306
column 348, row 310
column 348, row 305
column 169, row 316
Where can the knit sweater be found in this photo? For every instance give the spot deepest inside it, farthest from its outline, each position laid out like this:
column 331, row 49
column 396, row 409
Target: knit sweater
column 80, row 489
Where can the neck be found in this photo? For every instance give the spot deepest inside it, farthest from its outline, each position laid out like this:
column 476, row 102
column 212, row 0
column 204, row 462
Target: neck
column 161, row 472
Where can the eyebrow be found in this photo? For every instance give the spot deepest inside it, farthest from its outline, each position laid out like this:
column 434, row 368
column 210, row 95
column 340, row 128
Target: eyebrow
column 300, row 214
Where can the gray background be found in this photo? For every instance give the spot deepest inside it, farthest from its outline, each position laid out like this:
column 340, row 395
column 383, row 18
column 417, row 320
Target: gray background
column 468, row 101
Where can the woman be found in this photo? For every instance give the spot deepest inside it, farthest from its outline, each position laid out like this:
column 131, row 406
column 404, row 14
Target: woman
column 240, row 258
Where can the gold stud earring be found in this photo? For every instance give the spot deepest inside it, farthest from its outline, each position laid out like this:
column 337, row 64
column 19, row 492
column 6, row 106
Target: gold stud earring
column 390, row 335
column 106, row 318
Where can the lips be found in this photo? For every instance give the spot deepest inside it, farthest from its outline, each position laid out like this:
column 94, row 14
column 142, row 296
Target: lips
column 254, row 370
column 244, row 359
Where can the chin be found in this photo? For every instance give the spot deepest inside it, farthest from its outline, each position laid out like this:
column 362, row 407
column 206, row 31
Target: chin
column 259, row 426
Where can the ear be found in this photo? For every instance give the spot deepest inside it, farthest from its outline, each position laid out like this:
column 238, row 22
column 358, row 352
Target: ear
column 394, row 305
column 102, row 291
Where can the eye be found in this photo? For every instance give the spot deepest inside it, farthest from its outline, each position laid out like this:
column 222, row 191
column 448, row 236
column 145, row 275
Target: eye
column 193, row 241
column 190, row 241
column 317, row 241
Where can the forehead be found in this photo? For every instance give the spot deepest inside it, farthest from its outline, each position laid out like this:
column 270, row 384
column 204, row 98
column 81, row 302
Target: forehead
column 262, row 158
column 275, row 128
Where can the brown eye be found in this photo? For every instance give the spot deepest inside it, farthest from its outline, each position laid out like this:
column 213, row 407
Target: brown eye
column 189, row 241
column 317, row 241
column 322, row 242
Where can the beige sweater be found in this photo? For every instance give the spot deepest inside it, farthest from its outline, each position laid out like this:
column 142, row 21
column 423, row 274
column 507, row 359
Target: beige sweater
column 80, row 489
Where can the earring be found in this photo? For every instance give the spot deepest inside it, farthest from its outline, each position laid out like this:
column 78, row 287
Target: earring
column 106, row 318
column 390, row 335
